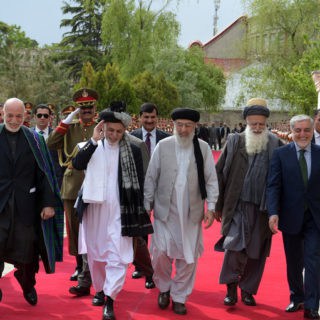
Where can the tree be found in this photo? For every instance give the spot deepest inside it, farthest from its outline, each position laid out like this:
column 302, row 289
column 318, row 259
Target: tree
column 83, row 42
column 284, row 29
column 109, row 86
column 300, row 90
column 156, row 89
column 200, row 85
column 134, row 33
column 15, row 56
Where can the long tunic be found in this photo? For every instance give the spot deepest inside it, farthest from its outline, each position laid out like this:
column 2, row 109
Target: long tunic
column 101, row 224
column 179, row 236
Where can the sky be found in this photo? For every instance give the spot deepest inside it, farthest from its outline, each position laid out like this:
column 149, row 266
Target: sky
column 40, row 19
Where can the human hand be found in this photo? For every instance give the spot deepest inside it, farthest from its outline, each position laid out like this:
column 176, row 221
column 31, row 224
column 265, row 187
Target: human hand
column 217, row 215
column 47, row 213
column 70, row 117
column 208, row 219
column 273, row 223
column 98, row 132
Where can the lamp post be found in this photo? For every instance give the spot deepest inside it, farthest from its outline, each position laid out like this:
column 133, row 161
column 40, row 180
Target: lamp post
column 215, row 17
column 316, row 79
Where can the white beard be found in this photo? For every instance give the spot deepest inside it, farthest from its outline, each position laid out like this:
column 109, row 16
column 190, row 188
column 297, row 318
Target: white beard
column 183, row 142
column 255, row 143
column 11, row 129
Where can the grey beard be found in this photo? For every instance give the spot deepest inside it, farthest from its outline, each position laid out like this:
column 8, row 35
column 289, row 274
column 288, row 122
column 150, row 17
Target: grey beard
column 184, row 142
column 255, row 143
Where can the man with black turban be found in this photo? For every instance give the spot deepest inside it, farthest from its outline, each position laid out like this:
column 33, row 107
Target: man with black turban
column 242, row 173
column 180, row 177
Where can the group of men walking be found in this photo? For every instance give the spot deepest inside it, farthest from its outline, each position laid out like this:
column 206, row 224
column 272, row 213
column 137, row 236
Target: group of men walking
column 114, row 181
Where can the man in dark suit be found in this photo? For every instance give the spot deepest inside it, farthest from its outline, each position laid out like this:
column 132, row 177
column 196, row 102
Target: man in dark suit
column 42, row 118
column 31, row 215
column 148, row 119
column 151, row 136
column 293, row 202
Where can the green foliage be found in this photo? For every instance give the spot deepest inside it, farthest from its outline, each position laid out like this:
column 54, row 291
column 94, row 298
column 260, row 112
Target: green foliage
column 108, row 84
column 156, row 89
column 13, row 36
column 200, row 85
column 83, row 42
column 279, row 39
column 300, row 90
column 135, row 33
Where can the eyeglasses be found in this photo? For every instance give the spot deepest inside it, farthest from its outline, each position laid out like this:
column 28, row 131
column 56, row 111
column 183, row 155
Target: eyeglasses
column 42, row 115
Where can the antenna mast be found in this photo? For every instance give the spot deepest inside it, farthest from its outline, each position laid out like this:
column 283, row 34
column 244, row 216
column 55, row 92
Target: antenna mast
column 215, row 17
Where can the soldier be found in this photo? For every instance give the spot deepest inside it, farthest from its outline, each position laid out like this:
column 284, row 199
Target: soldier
column 65, row 137
column 28, row 114
column 66, row 111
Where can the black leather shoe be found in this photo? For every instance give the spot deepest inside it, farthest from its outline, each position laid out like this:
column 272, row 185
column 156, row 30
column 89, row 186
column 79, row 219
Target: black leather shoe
column 31, row 296
column 179, row 308
column 294, row 306
column 164, row 299
column 247, row 298
column 74, row 276
column 232, row 297
column 79, row 291
column 149, row 283
column 311, row 314
column 137, row 274
column 98, row 299
column 108, row 313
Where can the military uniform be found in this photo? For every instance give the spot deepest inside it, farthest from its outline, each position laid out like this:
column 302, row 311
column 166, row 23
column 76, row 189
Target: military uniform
column 65, row 138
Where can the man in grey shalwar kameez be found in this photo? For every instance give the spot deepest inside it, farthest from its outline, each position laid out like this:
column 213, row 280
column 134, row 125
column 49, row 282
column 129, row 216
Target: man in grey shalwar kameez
column 180, row 176
column 242, row 172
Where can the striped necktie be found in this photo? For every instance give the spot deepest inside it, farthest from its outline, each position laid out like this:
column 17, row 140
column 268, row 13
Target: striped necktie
column 148, row 142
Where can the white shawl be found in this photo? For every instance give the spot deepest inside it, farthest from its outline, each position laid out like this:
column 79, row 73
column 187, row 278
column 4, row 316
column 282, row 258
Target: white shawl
column 94, row 183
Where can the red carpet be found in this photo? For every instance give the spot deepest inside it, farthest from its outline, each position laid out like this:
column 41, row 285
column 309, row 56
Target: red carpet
column 136, row 302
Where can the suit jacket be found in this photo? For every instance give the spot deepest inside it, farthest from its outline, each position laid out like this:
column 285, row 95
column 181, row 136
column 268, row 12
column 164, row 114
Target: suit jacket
column 55, row 159
column 28, row 176
column 159, row 134
column 20, row 175
column 286, row 193
column 144, row 151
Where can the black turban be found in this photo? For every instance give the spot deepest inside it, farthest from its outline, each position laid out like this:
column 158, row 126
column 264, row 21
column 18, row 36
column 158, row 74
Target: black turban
column 185, row 113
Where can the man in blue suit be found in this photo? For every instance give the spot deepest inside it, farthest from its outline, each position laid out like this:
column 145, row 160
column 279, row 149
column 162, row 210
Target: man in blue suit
column 293, row 202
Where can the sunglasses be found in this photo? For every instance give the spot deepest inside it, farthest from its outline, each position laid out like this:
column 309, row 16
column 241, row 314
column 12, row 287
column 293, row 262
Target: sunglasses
column 44, row 115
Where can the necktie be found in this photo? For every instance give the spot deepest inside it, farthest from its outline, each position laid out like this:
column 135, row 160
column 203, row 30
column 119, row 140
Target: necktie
column 41, row 132
column 148, row 142
column 303, row 166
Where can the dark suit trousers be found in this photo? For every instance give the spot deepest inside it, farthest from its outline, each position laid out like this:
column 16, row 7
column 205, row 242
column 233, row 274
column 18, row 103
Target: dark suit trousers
column 302, row 250
column 142, row 261
column 18, row 246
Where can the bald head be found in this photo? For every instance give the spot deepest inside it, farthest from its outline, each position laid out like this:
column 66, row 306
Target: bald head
column 13, row 114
